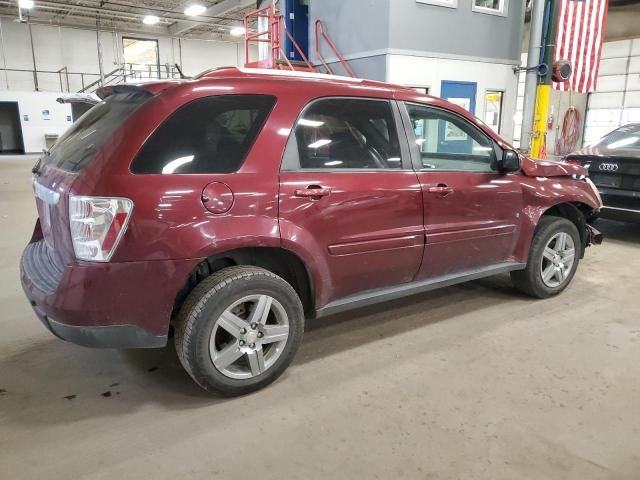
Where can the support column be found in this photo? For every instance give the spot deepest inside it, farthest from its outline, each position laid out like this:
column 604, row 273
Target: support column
column 531, row 83
column 539, row 138
column 99, row 43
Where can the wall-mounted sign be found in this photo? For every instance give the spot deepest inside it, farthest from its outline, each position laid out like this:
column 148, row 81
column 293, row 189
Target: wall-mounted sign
column 68, row 118
column 25, row 118
column 46, row 115
column 452, row 132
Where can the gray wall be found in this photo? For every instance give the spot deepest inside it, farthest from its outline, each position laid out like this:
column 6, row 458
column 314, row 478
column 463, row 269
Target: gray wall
column 364, row 26
column 373, row 68
column 459, row 31
column 355, row 26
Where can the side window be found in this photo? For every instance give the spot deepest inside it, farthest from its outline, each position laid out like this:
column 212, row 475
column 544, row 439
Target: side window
column 348, row 133
column 207, row 135
column 449, row 142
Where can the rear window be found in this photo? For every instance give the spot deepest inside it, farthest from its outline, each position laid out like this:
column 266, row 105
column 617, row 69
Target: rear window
column 208, row 135
column 73, row 151
column 624, row 138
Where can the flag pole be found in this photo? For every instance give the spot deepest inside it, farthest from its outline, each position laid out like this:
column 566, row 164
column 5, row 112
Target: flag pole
column 543, row 91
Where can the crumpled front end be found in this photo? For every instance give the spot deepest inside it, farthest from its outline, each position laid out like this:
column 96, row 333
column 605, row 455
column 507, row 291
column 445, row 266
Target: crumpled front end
column 550, row 168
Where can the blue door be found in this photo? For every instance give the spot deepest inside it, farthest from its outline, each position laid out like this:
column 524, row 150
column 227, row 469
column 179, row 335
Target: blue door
column 296, row 19
column 463, row 94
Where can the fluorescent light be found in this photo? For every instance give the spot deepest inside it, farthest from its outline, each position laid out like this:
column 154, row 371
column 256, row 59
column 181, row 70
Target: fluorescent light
column 310, row 123
column 320, row 143
column 237, row 31
column 26, row 4
column 150, row 20
column 173, row 165
column 333, row 163
column 194, row 10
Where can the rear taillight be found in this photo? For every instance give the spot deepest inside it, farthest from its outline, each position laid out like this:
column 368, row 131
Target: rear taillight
column 97, row 224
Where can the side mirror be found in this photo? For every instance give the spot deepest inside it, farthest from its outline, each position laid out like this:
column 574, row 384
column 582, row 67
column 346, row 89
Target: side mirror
column 510, row 162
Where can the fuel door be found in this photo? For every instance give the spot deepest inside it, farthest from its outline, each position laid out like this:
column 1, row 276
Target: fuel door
column 217, row 197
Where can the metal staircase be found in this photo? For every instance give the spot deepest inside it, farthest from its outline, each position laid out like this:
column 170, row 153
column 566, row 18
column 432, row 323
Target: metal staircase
column 272, row 36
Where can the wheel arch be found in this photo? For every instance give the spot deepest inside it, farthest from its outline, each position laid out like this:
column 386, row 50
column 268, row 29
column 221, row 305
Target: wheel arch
column 280, row 261
column 576, row 213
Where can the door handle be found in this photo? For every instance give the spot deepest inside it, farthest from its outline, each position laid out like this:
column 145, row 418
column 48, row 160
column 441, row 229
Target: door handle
column 441, row 189
column 312, row 191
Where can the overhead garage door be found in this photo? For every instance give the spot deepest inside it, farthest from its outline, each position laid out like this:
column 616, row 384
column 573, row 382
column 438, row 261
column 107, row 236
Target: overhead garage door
column 617, row 99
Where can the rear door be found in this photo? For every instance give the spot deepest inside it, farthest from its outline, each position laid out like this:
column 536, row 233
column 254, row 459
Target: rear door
column 471, row 211
column 349, row 197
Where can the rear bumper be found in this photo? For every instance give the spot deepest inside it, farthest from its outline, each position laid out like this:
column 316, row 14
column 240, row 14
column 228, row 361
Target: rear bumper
column 106, row 305
column 112, row 336
column 622, row 214
column 620, row 204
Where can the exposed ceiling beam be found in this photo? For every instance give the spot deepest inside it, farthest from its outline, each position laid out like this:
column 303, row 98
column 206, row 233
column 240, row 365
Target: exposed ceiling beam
column 216, row 10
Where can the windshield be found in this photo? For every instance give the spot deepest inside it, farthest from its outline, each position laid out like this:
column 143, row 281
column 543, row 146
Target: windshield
column 624, row 138
column 78, row 145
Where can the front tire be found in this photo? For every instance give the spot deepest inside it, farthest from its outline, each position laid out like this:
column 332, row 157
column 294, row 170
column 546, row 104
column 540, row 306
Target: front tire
column 238, row 330
column 553, row 258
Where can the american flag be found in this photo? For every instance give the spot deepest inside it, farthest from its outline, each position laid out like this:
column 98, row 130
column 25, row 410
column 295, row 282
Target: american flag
column 581, row 26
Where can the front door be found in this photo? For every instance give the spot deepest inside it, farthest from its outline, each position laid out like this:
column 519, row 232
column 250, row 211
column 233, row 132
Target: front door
column 349, row 197
column 471, row 211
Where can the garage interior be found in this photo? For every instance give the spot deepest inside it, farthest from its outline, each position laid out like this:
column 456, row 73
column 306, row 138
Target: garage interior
column 470, row 381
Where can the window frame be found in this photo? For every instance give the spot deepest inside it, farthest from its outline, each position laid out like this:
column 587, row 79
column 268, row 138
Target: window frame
column 290, row 161
column 502, row 12
column 415, row 151
column 440, row 3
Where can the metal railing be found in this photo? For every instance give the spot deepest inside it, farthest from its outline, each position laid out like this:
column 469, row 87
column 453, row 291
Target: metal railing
column 273, row 36
column 67, row 81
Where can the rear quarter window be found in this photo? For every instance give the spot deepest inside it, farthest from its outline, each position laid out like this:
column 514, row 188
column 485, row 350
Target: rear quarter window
column 207, row 135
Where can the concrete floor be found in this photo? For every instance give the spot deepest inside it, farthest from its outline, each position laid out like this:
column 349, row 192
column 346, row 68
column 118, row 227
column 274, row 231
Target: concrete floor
column 473, row 382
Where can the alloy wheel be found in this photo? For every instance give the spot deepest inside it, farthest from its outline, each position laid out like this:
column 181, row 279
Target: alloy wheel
column 557, row 260
column 249, row 337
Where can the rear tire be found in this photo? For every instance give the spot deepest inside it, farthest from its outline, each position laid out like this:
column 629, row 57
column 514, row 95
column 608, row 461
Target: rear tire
column 553, row 258
column 238, row 330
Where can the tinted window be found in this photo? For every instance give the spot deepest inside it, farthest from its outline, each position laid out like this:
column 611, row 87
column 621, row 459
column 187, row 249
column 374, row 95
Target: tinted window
column 208, row 135
column 449, row 142
column 78, row 145
column 348, row 133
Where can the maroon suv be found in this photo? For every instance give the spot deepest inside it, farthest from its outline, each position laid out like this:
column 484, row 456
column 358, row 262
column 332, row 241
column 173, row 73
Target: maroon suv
column 237, row 204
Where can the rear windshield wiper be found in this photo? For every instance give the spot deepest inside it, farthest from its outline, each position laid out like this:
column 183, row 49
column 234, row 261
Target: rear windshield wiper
column 36, row 168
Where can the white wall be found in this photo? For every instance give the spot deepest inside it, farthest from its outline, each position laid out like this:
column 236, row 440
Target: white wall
column 34, row 129
column 429, row 72
column 77, row 49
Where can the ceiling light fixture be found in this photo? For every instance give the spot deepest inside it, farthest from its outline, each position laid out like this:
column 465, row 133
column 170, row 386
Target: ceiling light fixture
column 26, row 4
column 150, row 20
column 194, row 10
column 237, row 31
